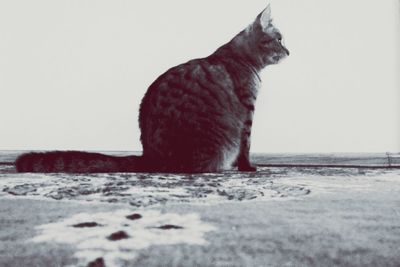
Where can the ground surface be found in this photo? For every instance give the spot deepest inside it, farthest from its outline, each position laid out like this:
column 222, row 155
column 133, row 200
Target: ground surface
column 278, row 216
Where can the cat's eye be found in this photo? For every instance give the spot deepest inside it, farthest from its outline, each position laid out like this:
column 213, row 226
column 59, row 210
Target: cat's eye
column 267, row 41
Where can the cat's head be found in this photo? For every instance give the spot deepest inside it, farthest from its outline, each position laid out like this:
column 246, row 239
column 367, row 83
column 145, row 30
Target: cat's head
column 265, row 41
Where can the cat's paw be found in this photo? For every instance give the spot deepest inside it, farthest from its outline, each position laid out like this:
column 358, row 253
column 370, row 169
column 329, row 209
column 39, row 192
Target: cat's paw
column 247, row 168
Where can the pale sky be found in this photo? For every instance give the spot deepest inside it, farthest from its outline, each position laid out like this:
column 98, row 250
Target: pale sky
column 73, row 72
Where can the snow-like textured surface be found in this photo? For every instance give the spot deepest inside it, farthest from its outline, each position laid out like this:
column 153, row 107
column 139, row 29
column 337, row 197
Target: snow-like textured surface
column 90, row 233
column 275, row 216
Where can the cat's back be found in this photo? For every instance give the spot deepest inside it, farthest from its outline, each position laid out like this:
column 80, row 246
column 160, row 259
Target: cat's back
column 195, row 87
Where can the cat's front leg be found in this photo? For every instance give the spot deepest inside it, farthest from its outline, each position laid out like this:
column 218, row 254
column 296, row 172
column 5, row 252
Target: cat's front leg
column 243, row 161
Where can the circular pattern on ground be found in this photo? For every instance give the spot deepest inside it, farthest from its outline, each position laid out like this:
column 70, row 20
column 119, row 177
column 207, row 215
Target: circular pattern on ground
column 141, row 190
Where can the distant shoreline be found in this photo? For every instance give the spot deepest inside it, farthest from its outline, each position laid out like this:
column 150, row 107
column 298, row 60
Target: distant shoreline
column 294, row 160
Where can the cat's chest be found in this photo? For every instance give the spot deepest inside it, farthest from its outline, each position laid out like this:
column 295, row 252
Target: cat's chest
column 255, row 83
column 251, row 85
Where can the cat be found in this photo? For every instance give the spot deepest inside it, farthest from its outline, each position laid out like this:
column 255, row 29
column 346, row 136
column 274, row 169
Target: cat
column 196, row 117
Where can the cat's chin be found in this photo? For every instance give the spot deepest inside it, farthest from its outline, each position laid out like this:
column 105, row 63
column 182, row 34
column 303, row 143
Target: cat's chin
column 273, row 60
column 276, row 58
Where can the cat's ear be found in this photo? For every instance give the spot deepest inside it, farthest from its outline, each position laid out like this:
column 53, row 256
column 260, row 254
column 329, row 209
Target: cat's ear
column 264, row 19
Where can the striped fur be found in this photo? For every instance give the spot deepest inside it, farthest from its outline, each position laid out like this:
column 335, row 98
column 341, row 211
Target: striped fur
column 196, row 117
column 76, row 162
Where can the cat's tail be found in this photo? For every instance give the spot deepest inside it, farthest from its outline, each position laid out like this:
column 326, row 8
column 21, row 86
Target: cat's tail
column 78, row 162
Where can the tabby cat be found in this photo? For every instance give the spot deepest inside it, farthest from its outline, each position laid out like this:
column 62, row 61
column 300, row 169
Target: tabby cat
column 196, row 117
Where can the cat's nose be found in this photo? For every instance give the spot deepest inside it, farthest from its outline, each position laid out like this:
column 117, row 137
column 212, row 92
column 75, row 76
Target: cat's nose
column 287, row 51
